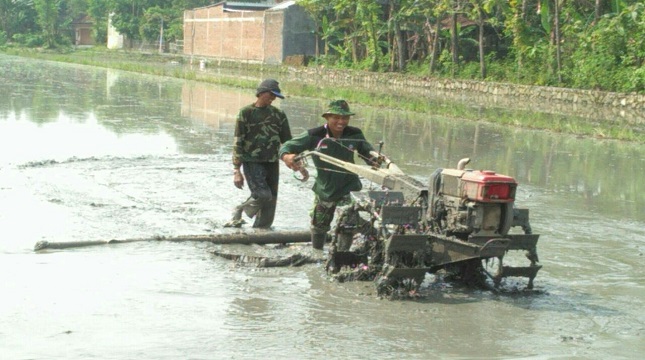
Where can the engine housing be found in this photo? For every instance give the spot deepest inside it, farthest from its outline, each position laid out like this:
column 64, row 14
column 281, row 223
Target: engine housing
column 472, row 202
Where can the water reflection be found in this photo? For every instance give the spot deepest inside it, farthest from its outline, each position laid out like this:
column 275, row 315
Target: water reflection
column 93, row 112
column 59, row 139
column 601, row 175
column 84, row 102
column 212, row 106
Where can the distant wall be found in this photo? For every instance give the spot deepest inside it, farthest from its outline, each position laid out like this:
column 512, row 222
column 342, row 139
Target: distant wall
column 211, row 32
column 254, row 36
column 273, row 40
column 114, row 39
column 584, row 103
column 298, row 34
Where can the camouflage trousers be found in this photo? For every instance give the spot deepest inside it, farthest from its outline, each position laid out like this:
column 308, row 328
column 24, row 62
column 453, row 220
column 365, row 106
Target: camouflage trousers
column 323, row 213
column 262, row 179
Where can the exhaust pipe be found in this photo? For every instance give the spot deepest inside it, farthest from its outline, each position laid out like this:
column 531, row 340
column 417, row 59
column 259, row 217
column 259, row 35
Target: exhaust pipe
column 462, row 163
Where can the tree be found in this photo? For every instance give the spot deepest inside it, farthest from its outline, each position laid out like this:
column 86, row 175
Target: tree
column 440, row 9
column 407, row 21
column 134, row 18
column 321, row 12
column 454, row 35
column 97, row 9
column 17, row 17
column 558, row 42
column 368, row 14
column 47, row 19
column 154, row 18
column 126, row 15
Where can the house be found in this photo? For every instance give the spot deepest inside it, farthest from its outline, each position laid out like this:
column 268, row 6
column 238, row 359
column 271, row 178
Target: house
column 83, row 30
column 261, row 33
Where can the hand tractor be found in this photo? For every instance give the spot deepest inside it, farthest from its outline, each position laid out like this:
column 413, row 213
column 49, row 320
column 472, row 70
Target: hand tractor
column 458, row 224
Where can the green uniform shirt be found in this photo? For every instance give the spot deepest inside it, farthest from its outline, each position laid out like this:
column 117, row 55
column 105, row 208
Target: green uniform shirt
column 259, row 133
column 332, row 182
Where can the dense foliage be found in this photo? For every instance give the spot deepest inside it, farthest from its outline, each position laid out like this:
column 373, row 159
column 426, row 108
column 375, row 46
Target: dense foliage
column 49, row 22
column 594, row 44
column 579, row 43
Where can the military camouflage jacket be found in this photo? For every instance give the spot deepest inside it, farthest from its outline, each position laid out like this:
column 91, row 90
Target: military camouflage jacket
column 332, row 183
column 259, row 133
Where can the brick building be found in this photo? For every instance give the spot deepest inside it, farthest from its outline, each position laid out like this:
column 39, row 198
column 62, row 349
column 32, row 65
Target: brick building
column 263, row 33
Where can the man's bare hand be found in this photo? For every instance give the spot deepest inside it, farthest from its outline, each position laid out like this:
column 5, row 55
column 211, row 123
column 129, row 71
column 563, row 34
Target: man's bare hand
column 289, row 160
column 238, row 179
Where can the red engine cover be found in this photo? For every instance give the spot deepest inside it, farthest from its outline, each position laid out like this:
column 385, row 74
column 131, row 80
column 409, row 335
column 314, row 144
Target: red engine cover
column 487, row 186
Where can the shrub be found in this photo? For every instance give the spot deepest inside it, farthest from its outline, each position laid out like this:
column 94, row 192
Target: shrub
column 29, row 40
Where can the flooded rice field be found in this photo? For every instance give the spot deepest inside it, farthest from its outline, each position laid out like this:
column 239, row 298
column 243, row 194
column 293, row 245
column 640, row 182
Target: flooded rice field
column 95, row 154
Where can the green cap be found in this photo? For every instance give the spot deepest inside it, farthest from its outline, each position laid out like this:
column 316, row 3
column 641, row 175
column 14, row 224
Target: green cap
column 338, row 107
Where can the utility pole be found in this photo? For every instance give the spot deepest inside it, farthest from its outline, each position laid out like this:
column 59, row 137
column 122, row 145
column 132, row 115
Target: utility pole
column 161, row 37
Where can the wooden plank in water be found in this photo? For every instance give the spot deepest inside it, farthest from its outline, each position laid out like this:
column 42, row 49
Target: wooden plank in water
column 257, row 237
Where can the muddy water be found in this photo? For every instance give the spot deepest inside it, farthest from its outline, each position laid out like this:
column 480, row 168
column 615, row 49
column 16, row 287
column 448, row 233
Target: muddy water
column 90, row 154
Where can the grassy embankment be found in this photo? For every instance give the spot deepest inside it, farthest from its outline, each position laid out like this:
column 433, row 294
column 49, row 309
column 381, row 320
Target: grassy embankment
column 169, row 66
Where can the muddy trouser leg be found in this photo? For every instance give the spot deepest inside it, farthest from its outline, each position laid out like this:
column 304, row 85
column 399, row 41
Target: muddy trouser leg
column 347, row 220
column 321, row 216
column 265, row 216
column 261, row 194
column 318, row 240
column 250, row 207
column 237, row 213
column 236, row 216
column 344, row 241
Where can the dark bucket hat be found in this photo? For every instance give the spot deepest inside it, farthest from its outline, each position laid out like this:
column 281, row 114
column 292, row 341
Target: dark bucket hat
column 338, row 107
column 269, row 85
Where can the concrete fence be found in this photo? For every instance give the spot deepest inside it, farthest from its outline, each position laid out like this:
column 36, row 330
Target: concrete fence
column 589, row 104
column 584, row 103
